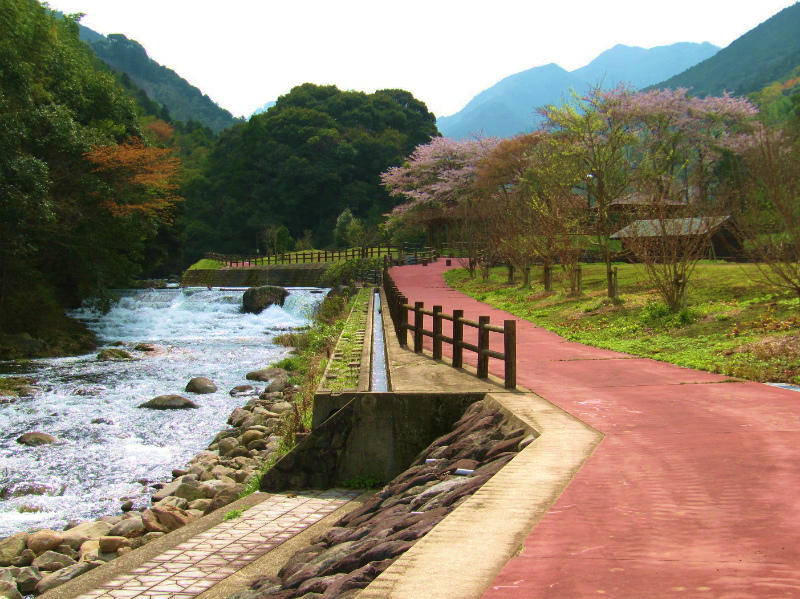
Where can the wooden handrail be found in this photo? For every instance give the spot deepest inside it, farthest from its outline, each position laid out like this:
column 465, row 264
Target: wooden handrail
column 399, row 308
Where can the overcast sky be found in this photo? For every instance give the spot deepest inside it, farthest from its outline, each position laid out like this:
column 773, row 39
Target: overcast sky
column 243, row 53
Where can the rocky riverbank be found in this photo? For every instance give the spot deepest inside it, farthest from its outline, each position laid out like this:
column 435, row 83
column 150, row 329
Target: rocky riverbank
column 32, row 563
column 365, row 542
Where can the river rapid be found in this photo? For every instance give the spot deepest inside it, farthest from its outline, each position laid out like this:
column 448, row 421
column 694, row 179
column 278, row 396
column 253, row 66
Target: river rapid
column 108, row 450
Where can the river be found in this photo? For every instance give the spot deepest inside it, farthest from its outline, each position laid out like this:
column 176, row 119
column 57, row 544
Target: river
column 105, row 444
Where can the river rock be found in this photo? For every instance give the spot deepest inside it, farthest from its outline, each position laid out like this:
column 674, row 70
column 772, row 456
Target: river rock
column 131, row 527
column 76, row 536
column 279, row 384
column 113, row 355
column 189, row 490
column 89, row 551
column 146, row 347
column 178, row 502
column 169, row 402
column 36, row 438
column 50, row 561
column 266, row 374
column 227, row 446
column 59, row 577
column 200, row 504
column 27, row 579
column 151, row 523
column 111, row 544
column 12, row 547
column 24, row 559
column 248, row 436
column 171, row 517
column 227, row 494
column 257, row 299
column 280, row 407
column 8, row 590
column 44, row 540
column 200, row 385
column 237, row 417
column 243, row 391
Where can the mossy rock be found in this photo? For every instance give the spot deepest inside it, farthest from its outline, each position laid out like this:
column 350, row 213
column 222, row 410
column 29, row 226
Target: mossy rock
column 113, row 354
column 257, row 299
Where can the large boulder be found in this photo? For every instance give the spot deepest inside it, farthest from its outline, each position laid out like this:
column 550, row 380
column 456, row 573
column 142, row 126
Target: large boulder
column 8, row 590
column 78, row 535
column 130, row 527
column 112, row 544
column 171, row 517
column 12, row 547
column 50, row 561
column 257, row 299
column 36, row 438
column 59, row 577
column 169, row 402
column 200, row 385
column 27, row 578
column 44, row 540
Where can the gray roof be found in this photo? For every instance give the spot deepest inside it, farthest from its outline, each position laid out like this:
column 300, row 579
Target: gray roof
column 671, row 227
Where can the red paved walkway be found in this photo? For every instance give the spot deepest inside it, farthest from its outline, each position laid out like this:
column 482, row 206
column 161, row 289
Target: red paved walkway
column 693, row 492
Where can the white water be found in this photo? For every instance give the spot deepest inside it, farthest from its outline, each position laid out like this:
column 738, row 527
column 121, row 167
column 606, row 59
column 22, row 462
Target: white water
column 94, row 466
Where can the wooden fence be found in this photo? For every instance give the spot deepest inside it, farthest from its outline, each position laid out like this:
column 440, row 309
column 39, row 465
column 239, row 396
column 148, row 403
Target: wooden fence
column 399, row 308
column 309, row 257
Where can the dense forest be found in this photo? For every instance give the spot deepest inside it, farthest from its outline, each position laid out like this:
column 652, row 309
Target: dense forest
column 317, row 152
column 84, row 192
column 94, row 172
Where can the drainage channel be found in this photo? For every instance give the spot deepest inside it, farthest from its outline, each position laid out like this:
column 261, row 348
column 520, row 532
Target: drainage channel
column 379, row 379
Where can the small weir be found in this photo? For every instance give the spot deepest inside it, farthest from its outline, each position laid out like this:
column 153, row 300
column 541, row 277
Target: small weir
column 379, row 376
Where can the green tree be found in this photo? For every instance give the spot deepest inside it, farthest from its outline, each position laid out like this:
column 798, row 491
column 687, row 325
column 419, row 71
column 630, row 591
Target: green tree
column 318, row 151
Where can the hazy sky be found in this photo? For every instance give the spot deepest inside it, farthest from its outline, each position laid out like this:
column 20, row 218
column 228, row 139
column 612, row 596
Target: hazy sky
column 243, row 53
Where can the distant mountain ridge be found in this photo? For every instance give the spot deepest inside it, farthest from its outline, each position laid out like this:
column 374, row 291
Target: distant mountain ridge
column 184, row 101
column 509, row 106
column 766, row 53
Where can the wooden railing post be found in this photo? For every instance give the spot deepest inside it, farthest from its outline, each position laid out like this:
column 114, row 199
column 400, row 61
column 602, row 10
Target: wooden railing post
column 437, row 332
column 510, row 352
column 483, row 346
column 402, row 329
column 418, row 306
column 458, row 338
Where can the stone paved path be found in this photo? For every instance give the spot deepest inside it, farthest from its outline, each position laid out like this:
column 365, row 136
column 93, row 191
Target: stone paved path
column 196, row 565
column 692, row 492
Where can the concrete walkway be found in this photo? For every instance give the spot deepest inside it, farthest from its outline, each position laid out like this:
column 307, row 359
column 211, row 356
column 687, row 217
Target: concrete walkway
column 691, row 493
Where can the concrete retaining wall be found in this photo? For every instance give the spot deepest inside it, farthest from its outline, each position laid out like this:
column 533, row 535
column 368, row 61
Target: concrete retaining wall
column 283, row 275
column 366, row 435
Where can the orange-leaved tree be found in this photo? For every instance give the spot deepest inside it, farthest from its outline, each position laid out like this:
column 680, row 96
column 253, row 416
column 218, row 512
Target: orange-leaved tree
column 139, row 180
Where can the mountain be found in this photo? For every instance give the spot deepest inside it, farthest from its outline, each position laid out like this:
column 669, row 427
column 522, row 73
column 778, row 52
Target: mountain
column 641, row 67
column 509, row 106
column 184, row 101
column 770, row 52
column 264, row 108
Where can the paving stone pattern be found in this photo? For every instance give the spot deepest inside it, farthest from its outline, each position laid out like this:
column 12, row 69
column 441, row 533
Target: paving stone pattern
column 196, row 565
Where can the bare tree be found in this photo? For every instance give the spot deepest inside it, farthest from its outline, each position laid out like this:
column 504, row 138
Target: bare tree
column 768, row 219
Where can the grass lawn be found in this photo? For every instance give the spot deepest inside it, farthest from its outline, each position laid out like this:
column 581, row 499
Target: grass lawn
column 733, row 325
column 206, row 264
